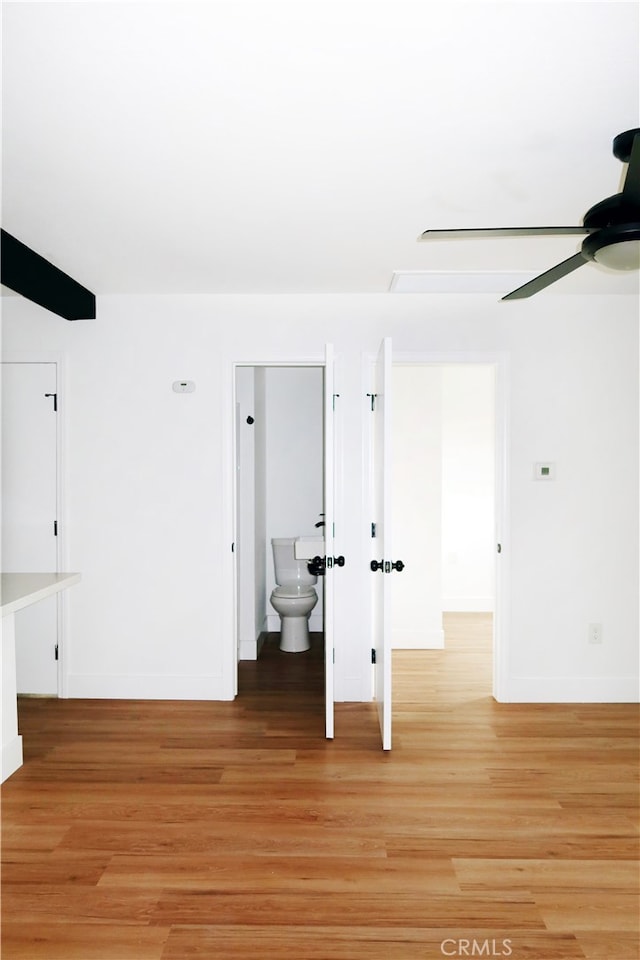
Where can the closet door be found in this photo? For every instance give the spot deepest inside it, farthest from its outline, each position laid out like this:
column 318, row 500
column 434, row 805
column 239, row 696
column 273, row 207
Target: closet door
column 29, row 508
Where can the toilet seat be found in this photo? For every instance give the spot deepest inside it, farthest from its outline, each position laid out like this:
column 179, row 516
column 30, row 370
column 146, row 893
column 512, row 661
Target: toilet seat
column 292, row 590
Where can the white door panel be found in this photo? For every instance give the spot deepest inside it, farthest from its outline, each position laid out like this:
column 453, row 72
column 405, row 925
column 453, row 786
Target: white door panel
column 381, row 543
column 29, row 507
column 329, row 460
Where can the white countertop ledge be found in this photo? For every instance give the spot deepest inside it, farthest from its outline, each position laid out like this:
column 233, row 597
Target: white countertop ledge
column 18, row 590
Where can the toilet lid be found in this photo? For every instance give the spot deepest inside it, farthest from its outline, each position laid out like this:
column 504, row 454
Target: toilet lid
column 293, row 590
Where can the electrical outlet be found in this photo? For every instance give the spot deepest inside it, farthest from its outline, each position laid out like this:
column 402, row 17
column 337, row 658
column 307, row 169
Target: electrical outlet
column 595, row 633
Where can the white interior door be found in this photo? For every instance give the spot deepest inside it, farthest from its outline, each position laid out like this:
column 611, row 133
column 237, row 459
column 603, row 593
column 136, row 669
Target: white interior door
column 29, row 508
column 381, row 542
column 329, row 482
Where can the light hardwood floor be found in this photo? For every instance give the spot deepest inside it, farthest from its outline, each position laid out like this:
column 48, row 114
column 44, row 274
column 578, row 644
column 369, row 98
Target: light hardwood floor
column 185, row 831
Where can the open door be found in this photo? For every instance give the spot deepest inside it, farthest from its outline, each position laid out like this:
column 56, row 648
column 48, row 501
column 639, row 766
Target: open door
column 29, row 512
column 329, row 481
column 381, row 563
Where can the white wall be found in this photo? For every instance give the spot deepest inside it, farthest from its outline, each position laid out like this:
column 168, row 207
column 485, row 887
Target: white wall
column 149, row 478
column 468, row 487
column 260, row 503
column 245, row 542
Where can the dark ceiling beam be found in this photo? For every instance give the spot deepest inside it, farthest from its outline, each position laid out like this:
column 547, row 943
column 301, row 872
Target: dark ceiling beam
column 35, row 278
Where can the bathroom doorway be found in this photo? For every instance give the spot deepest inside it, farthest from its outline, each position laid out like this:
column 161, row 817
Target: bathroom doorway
column 449, row 510
column 280, row 493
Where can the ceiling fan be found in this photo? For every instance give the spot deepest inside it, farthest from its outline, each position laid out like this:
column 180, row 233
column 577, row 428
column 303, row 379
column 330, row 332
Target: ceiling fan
column 612, row 227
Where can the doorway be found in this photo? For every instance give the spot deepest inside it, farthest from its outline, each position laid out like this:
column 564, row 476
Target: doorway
column 279, row 457
column 449, row 509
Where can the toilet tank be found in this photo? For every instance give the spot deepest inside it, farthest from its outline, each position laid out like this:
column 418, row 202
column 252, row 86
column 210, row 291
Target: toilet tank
column 287, row 568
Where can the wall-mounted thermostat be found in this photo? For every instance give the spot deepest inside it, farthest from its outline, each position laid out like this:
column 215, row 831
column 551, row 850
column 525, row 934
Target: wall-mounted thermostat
column 184, row 386
column 545, row 471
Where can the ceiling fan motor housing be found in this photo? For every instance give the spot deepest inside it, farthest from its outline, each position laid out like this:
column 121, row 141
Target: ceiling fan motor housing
column 617, row 219
column 611, row 212
column 623, row 145
column 609, row 236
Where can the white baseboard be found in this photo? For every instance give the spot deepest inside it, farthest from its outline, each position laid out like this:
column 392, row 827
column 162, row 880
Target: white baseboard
column 417, row 639
column 132, row 687
column 468, row 604
column 516, row 690
column 11, row 757
column 571, row 690
column 250, row 649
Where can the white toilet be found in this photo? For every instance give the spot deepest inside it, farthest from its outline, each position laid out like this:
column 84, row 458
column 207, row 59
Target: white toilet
column 294, row 598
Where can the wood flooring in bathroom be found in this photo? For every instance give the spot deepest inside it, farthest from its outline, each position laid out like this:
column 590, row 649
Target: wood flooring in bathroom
column 188, row 831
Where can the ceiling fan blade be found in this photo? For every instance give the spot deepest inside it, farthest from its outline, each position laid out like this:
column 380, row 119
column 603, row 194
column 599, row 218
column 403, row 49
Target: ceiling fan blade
column 502, row 232
column 546, row 279
column 631, row 189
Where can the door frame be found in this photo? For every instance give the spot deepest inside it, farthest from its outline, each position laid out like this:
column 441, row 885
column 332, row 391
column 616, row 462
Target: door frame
column 499, row 360
column 230, row 573
column 61, row 485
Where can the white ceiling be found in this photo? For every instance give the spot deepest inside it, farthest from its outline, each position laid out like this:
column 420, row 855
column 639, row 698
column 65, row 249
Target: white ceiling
column 284, row 147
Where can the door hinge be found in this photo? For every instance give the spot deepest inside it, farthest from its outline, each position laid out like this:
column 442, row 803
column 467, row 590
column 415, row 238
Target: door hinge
column 373, row 530
column 233, row 548
column 373, row 400
column 55, row 400
column 56, row 652
column 373, row 654
column 55, row 528
column 334, row 399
